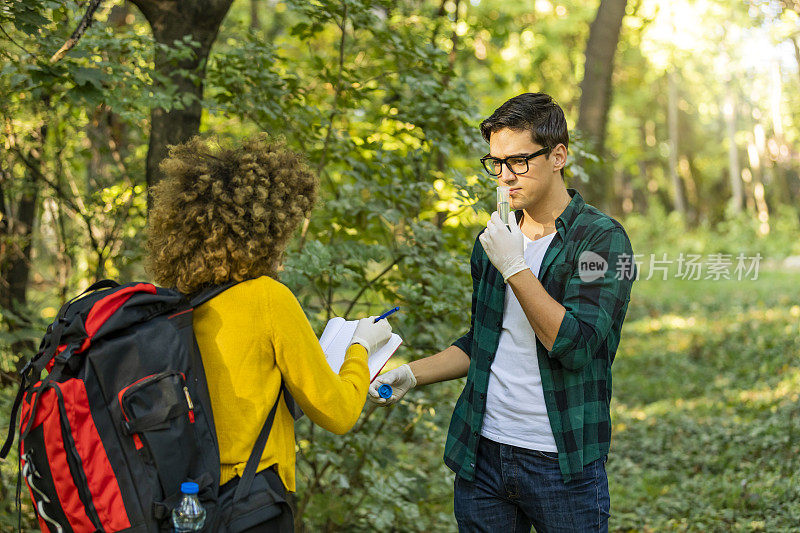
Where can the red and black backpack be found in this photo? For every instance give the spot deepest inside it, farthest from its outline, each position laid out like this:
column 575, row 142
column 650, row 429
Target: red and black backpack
column 123, row 415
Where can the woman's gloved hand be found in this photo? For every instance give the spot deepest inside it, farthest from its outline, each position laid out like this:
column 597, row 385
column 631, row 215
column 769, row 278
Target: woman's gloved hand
column 370, row 334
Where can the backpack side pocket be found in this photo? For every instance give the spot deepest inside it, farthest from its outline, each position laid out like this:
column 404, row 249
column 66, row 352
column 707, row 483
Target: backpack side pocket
column 158, row 414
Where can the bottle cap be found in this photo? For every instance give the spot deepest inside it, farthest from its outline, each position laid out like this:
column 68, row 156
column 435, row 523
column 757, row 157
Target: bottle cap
column 385, row 391
column 189, row 488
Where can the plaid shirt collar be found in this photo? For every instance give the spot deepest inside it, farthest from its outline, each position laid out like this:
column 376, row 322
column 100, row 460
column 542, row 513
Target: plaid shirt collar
column 564, row 222
column 570, row 213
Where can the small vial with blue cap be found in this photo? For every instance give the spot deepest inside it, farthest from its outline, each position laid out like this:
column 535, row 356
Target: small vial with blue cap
column 385, row 391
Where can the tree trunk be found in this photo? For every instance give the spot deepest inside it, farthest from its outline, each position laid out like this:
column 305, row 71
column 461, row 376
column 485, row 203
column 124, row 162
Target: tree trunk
column 255, row 20
column 172, row 20
column 672, row 124
column 15, row 267
column 734, row 170
column 596, row 89
column 641, row 198
column 16, row 232
column 118, row 16
column 759, row 196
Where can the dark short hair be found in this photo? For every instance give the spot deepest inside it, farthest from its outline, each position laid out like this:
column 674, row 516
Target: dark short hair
column 537, row 113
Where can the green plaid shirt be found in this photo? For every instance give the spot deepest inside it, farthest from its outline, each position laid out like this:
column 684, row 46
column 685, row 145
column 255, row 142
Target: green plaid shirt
column 576, row 373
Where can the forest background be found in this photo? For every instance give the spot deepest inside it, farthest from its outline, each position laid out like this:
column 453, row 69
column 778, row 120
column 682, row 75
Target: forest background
column 685, row 117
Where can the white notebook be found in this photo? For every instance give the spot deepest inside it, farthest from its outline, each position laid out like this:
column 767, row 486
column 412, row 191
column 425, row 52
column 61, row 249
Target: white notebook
column 336, row 338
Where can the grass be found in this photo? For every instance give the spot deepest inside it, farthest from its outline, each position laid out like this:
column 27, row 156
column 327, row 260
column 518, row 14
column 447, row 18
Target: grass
column 706, row 407
column 706, row 414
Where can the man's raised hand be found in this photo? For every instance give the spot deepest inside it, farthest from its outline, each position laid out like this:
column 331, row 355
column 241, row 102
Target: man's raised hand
column 504, row 245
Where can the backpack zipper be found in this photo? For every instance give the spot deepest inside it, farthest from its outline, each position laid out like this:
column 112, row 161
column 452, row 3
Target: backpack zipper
column 189, row 403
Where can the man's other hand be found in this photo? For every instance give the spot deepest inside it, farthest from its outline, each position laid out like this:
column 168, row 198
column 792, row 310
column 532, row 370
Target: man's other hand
column 401, row 379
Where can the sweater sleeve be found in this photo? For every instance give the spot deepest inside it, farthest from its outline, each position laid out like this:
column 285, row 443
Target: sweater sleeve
column 329, row 400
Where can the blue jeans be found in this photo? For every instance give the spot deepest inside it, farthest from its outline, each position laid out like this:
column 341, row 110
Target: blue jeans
column 516, row 488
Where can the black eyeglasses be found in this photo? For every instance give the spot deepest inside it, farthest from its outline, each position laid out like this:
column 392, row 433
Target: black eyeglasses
column 517, row 164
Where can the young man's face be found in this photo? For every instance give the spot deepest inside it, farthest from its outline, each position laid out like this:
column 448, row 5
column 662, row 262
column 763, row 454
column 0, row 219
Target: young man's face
column 527, row 188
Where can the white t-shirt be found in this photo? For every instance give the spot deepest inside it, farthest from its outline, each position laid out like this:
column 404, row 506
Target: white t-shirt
column 515, row 410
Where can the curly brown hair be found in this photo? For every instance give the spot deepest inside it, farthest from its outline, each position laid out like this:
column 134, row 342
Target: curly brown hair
column 226, row 213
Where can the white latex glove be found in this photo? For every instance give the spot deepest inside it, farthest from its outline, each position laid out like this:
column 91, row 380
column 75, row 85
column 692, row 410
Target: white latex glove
column 401, row 379
column 370, row 334
column 503, row 247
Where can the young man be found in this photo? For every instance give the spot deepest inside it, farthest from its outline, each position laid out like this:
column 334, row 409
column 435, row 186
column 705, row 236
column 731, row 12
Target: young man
column 530, row 432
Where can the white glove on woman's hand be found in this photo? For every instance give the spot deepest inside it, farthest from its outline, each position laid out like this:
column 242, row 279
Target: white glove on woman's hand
column 401, row 379
column 370, row 334
column 503, row 247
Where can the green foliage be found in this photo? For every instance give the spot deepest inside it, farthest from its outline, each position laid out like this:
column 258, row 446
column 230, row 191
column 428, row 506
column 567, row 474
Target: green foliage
column 111, row 66
column 384, row 99
column 660, row 232
column 389, row 473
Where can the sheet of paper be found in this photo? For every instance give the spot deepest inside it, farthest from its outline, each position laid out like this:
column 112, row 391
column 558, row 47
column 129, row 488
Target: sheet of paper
column 378, row 360
column 336, row 338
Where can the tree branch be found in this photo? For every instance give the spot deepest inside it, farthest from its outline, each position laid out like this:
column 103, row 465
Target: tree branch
column 370, row 282
column 338, row 90
column 326, row 144
column 16, row 43
column 367, row 452
column 39, row 175
column 83, row 25
column 61, row 195
column 467, row 206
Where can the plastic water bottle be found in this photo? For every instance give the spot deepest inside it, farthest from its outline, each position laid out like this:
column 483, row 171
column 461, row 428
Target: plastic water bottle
column 189, row 515
column 385, row 391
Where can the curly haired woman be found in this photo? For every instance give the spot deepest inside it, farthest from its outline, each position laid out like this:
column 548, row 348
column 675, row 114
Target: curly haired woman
column 225, row 214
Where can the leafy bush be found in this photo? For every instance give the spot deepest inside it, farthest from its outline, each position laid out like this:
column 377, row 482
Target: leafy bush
column 661, row 232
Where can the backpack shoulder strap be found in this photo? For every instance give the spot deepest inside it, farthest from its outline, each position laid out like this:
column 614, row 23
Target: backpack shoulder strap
column 12, row 423
column 37, row 363
column 202, row 296
column 243, row 487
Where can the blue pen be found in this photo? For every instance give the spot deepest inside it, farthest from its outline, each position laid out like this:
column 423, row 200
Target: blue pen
column 387, row 313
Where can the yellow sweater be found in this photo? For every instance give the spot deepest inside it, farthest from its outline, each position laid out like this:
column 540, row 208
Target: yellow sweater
column 251, row 335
